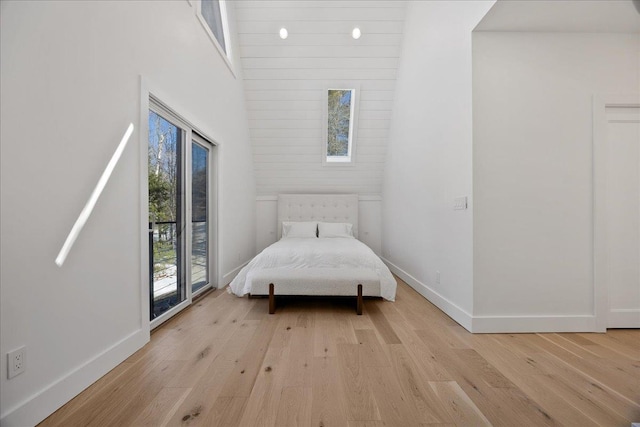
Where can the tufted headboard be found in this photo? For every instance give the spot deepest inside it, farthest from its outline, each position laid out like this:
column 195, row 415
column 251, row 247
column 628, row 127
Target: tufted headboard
column 318, row 207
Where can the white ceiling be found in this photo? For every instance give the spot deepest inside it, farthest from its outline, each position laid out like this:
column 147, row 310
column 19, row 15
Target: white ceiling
column 618, row 16
column 286, row 80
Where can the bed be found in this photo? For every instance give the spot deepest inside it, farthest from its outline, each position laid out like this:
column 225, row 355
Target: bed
column 334, row 264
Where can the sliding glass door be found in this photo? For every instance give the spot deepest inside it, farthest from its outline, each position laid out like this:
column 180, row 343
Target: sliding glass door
column 166, row 224
column 199, row 214
column 180, row 175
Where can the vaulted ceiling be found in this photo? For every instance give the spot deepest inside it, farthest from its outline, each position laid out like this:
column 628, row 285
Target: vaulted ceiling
column 594, row 16
column 285, row 83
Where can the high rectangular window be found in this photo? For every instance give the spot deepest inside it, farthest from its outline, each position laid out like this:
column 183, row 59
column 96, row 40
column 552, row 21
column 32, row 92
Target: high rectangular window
column 340, row 118
column 212, row 13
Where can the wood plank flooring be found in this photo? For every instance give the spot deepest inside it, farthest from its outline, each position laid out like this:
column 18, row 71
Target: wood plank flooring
column 226, row 362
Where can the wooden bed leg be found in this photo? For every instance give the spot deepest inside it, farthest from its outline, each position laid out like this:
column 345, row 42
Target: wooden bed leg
column 359, row 302
column 272, row 300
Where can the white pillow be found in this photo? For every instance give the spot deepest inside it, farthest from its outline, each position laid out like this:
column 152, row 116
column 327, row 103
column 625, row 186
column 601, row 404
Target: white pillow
column 299, row 229
column 335, row 229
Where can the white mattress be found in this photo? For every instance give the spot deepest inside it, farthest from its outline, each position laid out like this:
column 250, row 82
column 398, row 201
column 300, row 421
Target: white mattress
column 312, row 266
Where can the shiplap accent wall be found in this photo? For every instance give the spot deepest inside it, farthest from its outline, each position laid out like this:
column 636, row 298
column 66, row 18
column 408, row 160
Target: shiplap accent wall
column 285, row 83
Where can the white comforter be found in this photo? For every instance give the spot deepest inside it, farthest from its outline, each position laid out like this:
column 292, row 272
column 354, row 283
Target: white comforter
column 301, row 253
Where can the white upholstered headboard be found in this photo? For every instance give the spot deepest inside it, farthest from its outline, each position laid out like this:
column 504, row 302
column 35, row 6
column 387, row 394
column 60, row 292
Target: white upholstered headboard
column 318, row 207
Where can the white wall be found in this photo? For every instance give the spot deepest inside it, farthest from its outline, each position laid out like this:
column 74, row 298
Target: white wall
column 369, row 221
column 70, row 86
column 533, row 218
column 286, row 82
column 429, row 162
column 568, row 16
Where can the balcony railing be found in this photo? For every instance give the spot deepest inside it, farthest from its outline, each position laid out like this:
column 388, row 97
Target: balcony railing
column 163, row 239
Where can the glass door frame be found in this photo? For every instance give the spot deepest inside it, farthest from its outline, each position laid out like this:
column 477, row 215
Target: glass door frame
column 212, row 209
column 190, row 134
column 181, row 247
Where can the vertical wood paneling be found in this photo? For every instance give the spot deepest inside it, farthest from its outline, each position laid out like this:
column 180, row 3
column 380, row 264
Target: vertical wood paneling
column 285, row 82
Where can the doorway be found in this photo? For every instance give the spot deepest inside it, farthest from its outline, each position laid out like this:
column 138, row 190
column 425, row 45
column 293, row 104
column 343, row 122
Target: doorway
column 181, row 167
column 617, row 213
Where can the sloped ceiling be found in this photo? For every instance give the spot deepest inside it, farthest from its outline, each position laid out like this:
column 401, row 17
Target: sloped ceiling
column 612, row 16
column 285, row 83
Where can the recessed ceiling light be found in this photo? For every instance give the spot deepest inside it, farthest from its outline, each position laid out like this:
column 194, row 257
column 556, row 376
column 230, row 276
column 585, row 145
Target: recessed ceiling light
column 284, row 33
column 356, row 33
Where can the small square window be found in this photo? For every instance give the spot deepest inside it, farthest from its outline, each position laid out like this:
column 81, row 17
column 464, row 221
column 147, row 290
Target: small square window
column 340, row 118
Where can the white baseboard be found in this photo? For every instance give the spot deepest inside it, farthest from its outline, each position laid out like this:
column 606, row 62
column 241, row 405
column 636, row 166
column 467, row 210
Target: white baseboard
column 44, row 403
column 451, row 309
column 623, row 318
column 530, row 324
column 502, row 324
column 227, row 278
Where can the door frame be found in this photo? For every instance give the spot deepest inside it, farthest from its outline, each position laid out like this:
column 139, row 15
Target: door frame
column 183, row 211
column 212, row 210
column 599, row 181
column 148, row 94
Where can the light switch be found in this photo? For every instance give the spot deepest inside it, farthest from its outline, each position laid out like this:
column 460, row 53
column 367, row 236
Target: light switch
column 460, row 203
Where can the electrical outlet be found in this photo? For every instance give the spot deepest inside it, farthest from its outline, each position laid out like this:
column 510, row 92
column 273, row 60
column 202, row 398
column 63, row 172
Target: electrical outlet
column 16, row 362
column 438, row 277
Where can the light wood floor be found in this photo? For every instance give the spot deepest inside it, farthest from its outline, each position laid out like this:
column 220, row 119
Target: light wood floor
column 225, row 362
